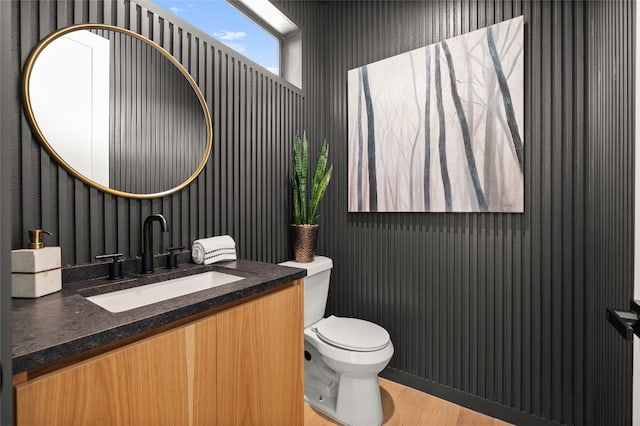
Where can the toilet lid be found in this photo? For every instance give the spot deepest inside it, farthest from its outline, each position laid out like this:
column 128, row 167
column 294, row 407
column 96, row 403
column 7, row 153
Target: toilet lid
column 352, row 334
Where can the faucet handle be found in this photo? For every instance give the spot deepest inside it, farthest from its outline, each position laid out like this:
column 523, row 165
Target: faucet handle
column 115, row 268
column 172, row 257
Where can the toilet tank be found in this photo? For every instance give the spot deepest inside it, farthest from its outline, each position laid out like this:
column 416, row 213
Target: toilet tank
column 316, row 287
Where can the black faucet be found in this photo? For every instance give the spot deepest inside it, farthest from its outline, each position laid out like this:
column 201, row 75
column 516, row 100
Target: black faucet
column 147, row 238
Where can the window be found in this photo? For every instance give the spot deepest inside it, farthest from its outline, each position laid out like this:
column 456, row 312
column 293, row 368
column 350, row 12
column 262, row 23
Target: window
column 229, row 25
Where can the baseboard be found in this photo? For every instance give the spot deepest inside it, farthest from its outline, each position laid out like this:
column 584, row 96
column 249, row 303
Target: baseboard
column 481, row 405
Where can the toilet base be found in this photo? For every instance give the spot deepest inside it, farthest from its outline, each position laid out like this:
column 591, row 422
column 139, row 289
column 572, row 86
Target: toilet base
column 358, row 402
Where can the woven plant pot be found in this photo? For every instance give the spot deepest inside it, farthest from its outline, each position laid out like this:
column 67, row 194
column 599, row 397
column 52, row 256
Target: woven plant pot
column 304, row 242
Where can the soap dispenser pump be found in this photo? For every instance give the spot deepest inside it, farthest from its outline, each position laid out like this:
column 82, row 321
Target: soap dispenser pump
column 35, row 237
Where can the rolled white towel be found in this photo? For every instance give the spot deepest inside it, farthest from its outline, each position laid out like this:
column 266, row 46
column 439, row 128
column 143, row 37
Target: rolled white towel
column 214, row 249
column 220, row 257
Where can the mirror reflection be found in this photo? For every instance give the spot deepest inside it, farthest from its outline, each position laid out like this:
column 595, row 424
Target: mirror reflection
column 114, row 110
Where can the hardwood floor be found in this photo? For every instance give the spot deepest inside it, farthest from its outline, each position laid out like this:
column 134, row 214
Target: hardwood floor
column 404, row 406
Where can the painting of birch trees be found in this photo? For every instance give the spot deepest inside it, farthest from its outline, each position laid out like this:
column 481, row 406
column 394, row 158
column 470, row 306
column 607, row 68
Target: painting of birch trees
column 440, row 128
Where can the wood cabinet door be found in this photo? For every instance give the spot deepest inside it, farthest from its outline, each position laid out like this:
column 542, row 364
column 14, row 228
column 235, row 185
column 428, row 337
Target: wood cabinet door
column 168, row 379
column 260, row 361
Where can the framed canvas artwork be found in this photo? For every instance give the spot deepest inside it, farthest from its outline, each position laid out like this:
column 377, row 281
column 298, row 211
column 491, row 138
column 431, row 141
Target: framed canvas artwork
column 440, row 128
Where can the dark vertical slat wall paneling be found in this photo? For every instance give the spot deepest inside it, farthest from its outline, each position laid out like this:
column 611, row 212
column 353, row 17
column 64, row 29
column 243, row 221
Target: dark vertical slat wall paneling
column 175, row 103
column 264, row 160
column 234, row 75
column 270, row 118
column 503, row 313
column 46, row 215
column 628, row 161
column 110, row 211
column 283, row 152
column 260, row 196
column 183, row 207
column 239, row 178
column 217, row 146
column 258, row 148
column 592, row 386
column 252, row 195
column 593, row 132
column 538, row 175
column 601, row 210
column 210, row 53
column 194, row 213
column 275, row 131
column 552, row 297
column 251, row 220
column 128, row 238
column 246, row 176
column 277, row 99
column 63, row 239
column 231, row 134
column 10, row 125
column 24, row 201
column 608, row 214
column 267, row 158
column 245, row 159
column 564, row 398
column 224, row 199
column 225, row 86
column 234, row 200
column 626, row 154
column 615, row 197
column 577, row 76
column 532, row 173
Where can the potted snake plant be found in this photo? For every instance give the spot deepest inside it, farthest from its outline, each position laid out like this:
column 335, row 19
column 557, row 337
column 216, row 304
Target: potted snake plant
column 305, row 211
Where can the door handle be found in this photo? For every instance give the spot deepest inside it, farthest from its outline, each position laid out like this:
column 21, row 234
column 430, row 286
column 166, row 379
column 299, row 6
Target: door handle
column 627, row 323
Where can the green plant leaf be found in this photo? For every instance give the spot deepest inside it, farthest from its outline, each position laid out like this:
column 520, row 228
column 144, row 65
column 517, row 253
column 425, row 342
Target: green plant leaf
column 299, row 181
column 302, row 177
column 318, row 173
column 297, row 217
column 305, row 210
column 297, row 157
column 322, row 188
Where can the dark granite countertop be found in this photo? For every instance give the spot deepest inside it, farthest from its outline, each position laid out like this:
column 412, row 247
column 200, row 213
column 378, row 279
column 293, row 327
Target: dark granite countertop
column 63, row 324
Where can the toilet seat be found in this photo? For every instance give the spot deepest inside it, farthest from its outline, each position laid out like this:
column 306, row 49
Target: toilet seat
column 352, row 334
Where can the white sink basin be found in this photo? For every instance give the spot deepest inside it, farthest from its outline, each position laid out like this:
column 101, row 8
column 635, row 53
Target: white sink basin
column 123, row 300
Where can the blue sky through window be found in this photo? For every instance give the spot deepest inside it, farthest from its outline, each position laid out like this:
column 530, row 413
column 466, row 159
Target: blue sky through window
column 225, row 23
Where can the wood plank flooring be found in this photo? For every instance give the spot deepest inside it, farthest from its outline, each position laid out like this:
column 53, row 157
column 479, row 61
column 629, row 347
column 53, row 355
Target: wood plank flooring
column 404, row 406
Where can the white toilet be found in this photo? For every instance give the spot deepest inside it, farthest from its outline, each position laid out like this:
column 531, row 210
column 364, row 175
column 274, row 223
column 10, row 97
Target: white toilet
column 343, row 356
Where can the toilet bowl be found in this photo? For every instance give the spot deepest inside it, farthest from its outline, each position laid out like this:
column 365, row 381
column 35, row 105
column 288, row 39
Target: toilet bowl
column 343, row 356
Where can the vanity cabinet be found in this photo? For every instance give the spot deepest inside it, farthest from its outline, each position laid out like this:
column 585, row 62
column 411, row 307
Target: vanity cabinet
column 260, row 361
column 239, row 366
column 164, row 379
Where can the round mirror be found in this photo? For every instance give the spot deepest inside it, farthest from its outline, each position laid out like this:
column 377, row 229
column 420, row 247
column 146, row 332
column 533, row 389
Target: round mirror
column 117, row 111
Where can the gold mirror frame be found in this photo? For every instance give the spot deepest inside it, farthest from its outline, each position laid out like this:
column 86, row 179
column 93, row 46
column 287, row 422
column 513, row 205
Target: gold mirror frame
column 34, row 125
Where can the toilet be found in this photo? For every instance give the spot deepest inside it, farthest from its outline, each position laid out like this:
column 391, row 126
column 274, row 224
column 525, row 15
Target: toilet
column 343, row 356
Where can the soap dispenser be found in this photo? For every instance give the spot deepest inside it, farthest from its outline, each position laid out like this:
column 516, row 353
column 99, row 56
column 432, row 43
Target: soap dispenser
column 35, row 271
column 36, row 235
